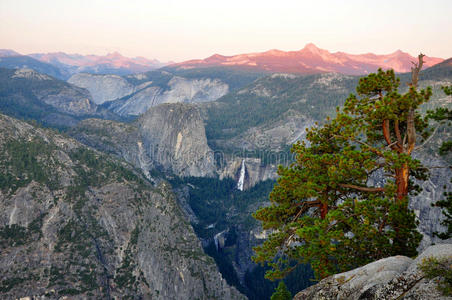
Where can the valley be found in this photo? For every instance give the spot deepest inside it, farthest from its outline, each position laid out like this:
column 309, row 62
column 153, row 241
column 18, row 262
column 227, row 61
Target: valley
column 156, row 174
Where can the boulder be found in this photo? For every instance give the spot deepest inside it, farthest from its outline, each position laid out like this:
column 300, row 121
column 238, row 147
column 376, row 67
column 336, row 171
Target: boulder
column 397, row 277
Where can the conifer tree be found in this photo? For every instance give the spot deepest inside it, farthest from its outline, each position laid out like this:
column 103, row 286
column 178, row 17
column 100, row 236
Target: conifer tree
column 344, row 202
column 281, row 293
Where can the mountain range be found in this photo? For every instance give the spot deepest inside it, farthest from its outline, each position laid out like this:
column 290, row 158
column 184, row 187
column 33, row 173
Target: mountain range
column 96, row 62
column 311, row 59
column 68, row 64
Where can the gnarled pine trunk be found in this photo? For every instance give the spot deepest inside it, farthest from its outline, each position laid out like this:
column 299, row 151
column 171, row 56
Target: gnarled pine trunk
column 402, row 174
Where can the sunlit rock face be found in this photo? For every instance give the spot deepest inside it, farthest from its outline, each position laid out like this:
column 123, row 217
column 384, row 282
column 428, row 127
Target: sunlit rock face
column 179, row 143
column 103, row 87
column 129, row 99
column 397, row 277
column 169, row 137
column 433, row 189
column 178, row 90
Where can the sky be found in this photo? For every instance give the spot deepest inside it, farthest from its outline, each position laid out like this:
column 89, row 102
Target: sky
column 173, row 30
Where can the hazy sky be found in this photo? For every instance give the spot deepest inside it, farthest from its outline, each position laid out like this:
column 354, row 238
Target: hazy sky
column 179, row 30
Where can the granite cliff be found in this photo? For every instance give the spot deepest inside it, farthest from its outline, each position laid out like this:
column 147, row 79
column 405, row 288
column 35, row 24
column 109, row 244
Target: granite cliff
column 180, row 142
column 102, row 87
column 78, row 223
column 169, row 137
column 135, row 94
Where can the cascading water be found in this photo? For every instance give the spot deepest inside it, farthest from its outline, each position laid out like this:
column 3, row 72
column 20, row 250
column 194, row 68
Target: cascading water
column 242, row 177
column 219, row 240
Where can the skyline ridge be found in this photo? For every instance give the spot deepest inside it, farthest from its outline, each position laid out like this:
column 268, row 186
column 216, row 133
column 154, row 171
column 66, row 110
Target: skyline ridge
column 308, row 45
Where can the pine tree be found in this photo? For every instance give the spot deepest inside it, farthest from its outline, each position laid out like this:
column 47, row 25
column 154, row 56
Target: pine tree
column 281, row 293
column 344, row 202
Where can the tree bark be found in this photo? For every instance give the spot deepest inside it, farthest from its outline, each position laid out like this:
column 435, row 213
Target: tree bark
column 403, row 173
column 398, row 136
column 386, row 133
column 402, row 177
column 323, row 210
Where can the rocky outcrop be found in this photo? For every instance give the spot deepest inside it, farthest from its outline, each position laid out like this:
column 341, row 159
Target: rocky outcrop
column 103, row 87
column 173, row 135
column 137, row 103
column 396, row 277
column 254, row 171
column 271, row 137
column 433, row 189
column 72, row 100
column 120, row 139
column 194, row 90
column 132, row 96
column 64, row 97
column 177, row 90
column 169, row 137
column 76, row 223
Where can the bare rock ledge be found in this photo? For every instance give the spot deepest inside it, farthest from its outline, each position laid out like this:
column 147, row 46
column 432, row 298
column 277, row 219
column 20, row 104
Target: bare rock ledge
column 396, row 277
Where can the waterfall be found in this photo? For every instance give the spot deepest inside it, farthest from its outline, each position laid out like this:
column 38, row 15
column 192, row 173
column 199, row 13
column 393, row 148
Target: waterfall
column 242, row 177
column 215, row 239
column 219, row 240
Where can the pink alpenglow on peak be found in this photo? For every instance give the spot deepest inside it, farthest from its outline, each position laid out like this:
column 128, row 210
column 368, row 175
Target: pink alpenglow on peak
column 311, row 59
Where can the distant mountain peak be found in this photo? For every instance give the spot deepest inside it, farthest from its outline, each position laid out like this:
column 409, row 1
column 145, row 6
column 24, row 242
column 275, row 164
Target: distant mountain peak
column 115, row 54
column 216, row 56
column 311, row 59
column 113, row 62
column 311, row 47
column 8, row 52
column 399, row 52
column 275, row 52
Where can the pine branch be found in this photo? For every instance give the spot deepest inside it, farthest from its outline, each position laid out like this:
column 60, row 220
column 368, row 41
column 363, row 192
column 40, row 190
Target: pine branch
column 428, row 139
column 363, row 188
